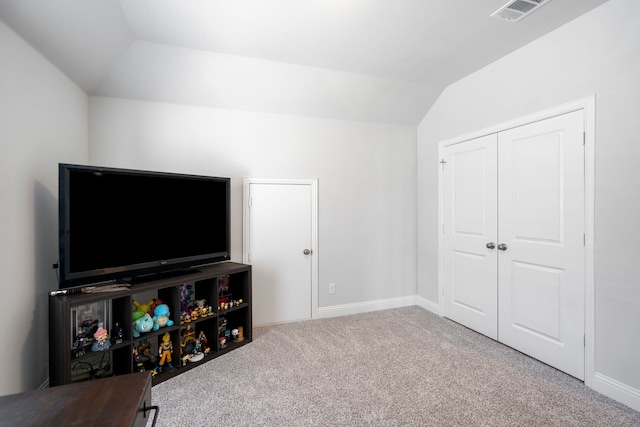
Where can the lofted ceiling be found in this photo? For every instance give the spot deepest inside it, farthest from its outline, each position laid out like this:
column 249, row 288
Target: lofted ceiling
column 372, row 60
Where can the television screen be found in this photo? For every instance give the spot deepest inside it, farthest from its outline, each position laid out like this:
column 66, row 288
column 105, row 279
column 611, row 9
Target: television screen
column 121, row 224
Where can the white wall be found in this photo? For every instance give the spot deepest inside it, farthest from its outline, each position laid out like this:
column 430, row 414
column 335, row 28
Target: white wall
column 599, row 54
column 43, row 121
column 366, row 172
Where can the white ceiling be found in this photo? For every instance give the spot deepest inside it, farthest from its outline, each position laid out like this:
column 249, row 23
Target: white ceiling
column 371, row 60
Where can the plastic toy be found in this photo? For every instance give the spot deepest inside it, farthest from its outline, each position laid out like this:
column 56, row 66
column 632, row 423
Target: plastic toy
column 146, row 358
column 201, row 307
column 142, row 322
column 101, row 342
column 137, row 362
column 187, row 344
column 187, row 298
column 165, row 350
column 197, row 355
column 152, row 307
column 240, row 336
column 161, row 317
column 118, row 331
column 203, row 339
column 185, row 317
column 80, row 341
column 145, row 308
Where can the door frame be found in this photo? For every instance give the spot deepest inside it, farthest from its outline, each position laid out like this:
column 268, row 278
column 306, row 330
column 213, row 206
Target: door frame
column 588, row 107
column 313, row 184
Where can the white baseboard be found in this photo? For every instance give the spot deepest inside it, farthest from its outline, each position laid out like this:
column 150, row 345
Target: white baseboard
column 381, row 304
column 365, row 307
column 428, row 305
column 616, row 390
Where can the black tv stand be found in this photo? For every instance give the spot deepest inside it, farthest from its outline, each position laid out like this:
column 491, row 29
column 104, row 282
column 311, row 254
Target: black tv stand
column 145, row 278
column 225, row 287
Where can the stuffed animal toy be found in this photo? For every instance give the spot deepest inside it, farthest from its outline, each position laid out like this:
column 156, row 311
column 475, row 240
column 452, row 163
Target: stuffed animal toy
column 142, row 322
column 145, row 308
column 161, row 317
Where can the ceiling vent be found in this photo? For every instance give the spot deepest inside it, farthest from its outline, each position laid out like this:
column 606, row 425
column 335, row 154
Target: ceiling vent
column 517, row 9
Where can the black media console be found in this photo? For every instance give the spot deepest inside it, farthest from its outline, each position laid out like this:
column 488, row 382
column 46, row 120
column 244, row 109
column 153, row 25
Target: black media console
column 222, row 322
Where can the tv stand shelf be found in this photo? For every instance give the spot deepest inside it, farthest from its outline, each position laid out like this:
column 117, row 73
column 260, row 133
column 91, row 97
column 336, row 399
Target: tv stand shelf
column 223, row 326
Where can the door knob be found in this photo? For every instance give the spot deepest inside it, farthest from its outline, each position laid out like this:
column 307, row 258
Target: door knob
column 306, row 251
column 491, row 245
column 502, row 247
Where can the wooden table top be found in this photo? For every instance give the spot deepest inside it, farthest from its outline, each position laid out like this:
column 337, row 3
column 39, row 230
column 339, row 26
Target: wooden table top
column 113, row 401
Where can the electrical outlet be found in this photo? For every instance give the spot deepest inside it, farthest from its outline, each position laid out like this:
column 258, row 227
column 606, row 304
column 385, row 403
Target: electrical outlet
column 332, row 288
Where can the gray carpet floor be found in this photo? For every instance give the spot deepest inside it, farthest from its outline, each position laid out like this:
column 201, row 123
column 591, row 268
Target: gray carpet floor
column 399, row 367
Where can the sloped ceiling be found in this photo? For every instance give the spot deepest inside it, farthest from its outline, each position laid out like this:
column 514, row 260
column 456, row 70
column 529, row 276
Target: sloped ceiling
column 371, row 60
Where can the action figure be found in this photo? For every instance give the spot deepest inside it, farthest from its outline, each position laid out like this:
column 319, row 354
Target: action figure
column 80, row 339
column 165, row 350
column 118, row 332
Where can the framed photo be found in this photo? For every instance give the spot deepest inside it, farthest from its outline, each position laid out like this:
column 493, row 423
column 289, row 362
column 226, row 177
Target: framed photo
column 85, row 320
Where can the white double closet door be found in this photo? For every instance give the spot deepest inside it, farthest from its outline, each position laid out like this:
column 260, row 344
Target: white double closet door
column 513, row 238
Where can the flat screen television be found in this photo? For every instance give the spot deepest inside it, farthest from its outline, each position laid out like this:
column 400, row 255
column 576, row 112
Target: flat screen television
column 123, row 224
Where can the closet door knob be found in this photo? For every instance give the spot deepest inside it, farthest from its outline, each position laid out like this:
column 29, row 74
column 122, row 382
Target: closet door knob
column 502, row 247
column 491, row 245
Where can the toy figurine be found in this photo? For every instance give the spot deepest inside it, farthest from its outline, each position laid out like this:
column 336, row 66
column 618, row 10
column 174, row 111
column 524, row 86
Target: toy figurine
column 186, row 317
column 187, row 344
column 187, row 298
column 223, row 285
column 203, row 338
column 201, row 307
column 137, row 362
column 101, row 342
column 118, row 331
column 161, row 317
column 222, row 325
column 142, row 322
column 80, row 339
column 146, row 358
column 196, row 355
column 165, row 350
column 155, row 371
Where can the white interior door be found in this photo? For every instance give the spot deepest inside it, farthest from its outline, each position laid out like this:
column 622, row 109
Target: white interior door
column 541, row 217
column 278, row 234
column 522, row 189
column 470, row 223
